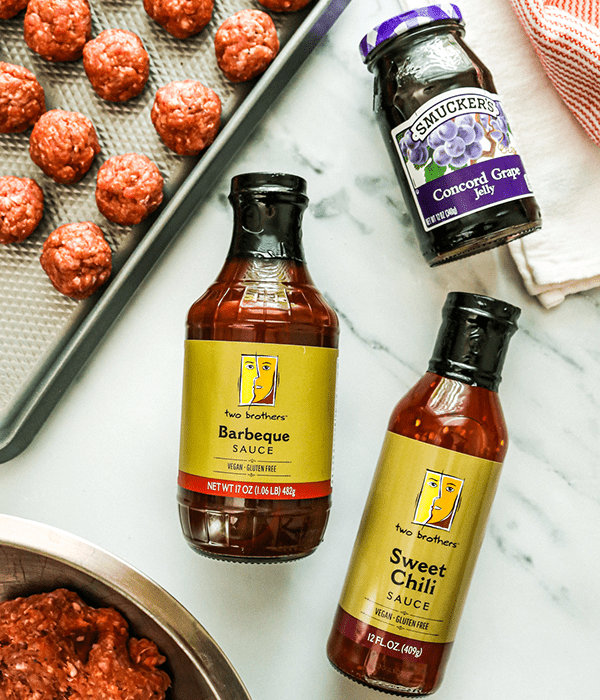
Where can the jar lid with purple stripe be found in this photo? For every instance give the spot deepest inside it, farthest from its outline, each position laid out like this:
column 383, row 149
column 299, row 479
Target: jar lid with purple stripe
column 396, row 26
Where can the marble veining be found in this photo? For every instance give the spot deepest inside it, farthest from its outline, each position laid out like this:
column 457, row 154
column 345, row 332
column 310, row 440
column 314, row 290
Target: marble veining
column 104, row 465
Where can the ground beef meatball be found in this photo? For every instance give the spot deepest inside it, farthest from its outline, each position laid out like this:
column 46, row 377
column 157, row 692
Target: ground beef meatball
column 22, row 100
column 11, row 8
column 77, row 259
column 58, row 29
column 129, row 188
column 116, row 64
column 21, row 208
column 187, row 116
column 245, row 44
column 181, row 18
column 64, row 144
column 284, row 5
column 54, row 645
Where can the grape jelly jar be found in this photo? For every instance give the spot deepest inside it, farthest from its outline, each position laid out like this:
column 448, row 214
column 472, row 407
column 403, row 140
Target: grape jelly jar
column 461, row 175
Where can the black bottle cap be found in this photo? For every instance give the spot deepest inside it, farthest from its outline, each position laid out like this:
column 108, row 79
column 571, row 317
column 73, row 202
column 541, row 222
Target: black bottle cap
column 284, row 186
column 473, row 339
column 268, row 210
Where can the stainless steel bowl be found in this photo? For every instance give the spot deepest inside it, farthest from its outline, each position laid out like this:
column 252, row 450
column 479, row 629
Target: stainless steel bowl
column 35, row 558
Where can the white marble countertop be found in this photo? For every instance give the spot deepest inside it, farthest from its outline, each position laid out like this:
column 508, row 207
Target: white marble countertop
column 104, row 465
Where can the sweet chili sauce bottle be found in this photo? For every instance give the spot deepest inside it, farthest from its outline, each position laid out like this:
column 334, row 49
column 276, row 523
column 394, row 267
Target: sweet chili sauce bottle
column 259, row 388
column 452, row 147
column 425, row 516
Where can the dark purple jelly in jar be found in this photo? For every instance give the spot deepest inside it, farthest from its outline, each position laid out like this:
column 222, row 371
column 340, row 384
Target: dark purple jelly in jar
column 452, row 147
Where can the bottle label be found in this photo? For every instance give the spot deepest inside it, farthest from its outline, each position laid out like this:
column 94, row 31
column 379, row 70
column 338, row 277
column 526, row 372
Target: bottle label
column 459, row 156
column 257, row 419
column 417, row 546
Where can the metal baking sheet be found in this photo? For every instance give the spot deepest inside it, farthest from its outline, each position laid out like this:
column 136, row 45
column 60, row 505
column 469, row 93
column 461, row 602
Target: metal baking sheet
column 45, row 337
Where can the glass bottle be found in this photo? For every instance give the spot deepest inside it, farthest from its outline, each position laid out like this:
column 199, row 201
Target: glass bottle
column 447, row 135
column 425, row 516
column 259, row 389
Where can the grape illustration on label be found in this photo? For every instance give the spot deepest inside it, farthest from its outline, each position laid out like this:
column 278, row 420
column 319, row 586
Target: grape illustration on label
column 431, row 147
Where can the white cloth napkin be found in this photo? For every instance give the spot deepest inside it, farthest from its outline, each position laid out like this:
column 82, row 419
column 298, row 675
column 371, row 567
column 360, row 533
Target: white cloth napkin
column 564, row 257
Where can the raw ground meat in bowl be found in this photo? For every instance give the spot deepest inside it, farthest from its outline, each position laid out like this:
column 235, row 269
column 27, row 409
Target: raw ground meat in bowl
column 37, row 558
column 55, row 645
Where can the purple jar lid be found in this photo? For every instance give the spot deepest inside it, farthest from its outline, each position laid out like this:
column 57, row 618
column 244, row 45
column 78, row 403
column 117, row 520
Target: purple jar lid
column 403, row 23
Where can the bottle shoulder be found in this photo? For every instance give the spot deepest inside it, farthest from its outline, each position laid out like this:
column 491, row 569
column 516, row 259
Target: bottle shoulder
column 412, row 72
column 453, row 415
column 264, row 301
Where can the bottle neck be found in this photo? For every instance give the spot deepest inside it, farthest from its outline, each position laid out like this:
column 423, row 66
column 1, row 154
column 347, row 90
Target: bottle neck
column 267, row 226
column 473, row 340
column 398, row 45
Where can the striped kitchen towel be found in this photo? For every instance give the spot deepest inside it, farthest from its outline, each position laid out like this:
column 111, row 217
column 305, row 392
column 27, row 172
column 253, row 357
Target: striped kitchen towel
column 566, row 36
column 561, row 120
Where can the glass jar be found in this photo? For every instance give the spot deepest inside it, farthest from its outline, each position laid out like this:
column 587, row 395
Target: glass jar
column 427, row 509
column 449, row 139
column 259, row 389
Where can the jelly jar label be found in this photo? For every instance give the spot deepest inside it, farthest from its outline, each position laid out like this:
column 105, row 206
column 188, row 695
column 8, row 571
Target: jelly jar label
column 257, row 419
column 459, row 156
column 417, row 545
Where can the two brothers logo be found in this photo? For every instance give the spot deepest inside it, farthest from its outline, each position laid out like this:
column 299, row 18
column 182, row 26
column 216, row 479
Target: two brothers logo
column 438, row 501
column 258, row 380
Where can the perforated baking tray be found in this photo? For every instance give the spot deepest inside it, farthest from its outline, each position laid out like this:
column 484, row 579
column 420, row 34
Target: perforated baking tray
column 45, row 337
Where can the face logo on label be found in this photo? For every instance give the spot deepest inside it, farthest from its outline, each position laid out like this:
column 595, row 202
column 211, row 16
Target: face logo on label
column 258, row 380
column 438, row 501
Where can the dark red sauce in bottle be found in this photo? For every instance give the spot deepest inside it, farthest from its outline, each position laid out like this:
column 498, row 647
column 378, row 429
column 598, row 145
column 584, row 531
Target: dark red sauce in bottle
column 455, row 406
column 266, row 265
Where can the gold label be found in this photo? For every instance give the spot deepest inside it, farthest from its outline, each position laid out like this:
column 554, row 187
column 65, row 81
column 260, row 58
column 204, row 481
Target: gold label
column 257, row 419
column 418, row 542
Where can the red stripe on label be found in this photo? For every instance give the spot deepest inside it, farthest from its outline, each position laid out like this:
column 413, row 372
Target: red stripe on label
column 245, row 489
column 388, row 643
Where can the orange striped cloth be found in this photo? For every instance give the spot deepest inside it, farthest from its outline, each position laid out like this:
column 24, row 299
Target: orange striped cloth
column 566, row 36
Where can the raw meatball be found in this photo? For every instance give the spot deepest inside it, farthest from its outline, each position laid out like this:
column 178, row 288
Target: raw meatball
column 284, row 5
column 77, row 259
column 129, row 188
column 181, row 18
column 187, row 116
column 116, row 64
column 64, row 144
column 245, row 44
column 22, row 99
column 11, row 8
column 58, row 29
column 21, row 208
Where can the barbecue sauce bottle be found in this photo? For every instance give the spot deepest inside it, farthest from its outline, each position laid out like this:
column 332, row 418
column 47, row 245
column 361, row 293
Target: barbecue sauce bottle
column 259, row 388
column 449, row 139
column 425, row 516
